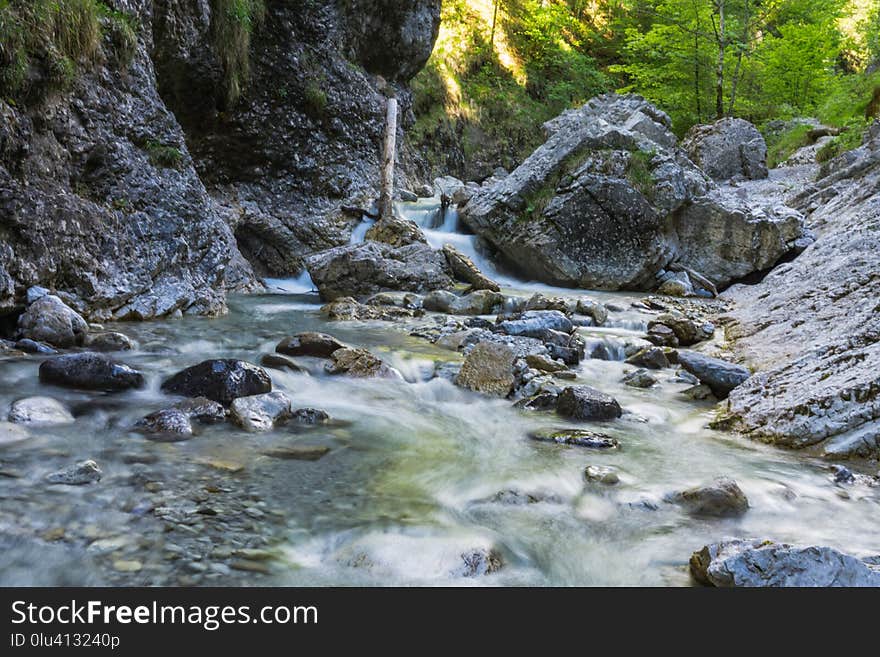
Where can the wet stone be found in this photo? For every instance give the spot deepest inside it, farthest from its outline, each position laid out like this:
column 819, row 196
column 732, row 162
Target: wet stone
column 84, row 472
column 577, row 437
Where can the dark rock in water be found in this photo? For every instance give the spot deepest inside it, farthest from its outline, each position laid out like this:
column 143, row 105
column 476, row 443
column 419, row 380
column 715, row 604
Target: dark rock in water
column 359, row 363
column 221, row 380
column 568, row 355
column 277, row 362
column 39, row 411
column 721, row 498
column 639, row 379
column 202, row 409
column 728, row 149
column 512, row 497
column 488, row 368
column 687, row 331
column 296, row 452
column 361, row 270
column 79, row 474
column 842, row 474
column 49, row 319
column 464, row 269
column 479, row 562
column 257, row 413
column 752, row 563
column 543, row 401
column 544, row 363
column 535, row 323
column 601, row 474
column 722, row 377
column 652, row 358
column 108, row 341
column 319, row 345
column 578, row 437
column 662, row 336
column 586, row 403
column 699, row 393
column 166, row 425
column 90, row 371
column 34, row 347
column 309, row 416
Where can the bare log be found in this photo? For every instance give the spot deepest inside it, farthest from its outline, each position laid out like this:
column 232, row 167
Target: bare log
column 386, row 198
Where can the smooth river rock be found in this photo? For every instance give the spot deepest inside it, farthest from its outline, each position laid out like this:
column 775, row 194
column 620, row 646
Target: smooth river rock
column 721, row 377
column 40, row 411
column 721, row 498
column 258, row 413
column 50, row 320
column 586, row 403
column 90, row 371
column 319, row 345
column 221, row 380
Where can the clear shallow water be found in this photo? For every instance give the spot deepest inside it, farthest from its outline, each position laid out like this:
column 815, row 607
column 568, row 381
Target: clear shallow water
column 402, row 494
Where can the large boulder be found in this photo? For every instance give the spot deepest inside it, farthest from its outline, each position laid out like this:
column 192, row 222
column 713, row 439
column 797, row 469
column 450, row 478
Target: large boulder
column 601, row 203
column 586, row 403
column 258, row 413
column 721, row 498
column 49, row 319
column 90, row 371
column 722, row 377
column 750, row 563
column 361, row 270
column 728, row 149
column 221, row 380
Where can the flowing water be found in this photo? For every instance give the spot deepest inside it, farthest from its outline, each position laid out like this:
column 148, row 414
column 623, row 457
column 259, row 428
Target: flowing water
column 407, row 488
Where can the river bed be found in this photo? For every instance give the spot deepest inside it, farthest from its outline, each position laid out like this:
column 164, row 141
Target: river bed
column 408, row 493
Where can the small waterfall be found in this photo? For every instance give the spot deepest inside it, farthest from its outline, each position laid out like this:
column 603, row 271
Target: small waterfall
column 301, row 284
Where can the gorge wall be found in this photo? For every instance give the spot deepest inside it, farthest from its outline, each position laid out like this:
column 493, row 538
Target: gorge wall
column 134, row 191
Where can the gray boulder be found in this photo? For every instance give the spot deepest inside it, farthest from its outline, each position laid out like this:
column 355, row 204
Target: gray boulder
column 359, row 363
column 722, row 377
column 721, row 498
column 90, row 371
column 258, row 413
column 609, row 201
column 39, row 411
column 464, row 269
column 309, row 343
column 728, row 149
column 752, row 563
column 396, row 231
column 79, row 474
column 361, row 270
column 108, row 341
column 488, row 368
column 586, row 403
column 480, row 302
column 220, row 380
column 536, row 323
column 49, row 319
column 168, row 424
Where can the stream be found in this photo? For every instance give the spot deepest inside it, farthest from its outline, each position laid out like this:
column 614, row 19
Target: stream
column 408, row 493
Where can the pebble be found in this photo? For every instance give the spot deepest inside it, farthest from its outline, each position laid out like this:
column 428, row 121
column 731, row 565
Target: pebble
column 125, row 566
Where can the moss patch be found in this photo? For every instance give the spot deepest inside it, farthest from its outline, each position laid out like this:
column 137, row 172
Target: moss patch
column 232, row 24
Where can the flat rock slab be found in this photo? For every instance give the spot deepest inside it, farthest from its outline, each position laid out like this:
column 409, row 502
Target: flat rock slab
column 577, row 437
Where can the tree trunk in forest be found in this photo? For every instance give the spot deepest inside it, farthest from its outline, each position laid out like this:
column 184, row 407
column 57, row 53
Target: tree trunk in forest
column 719, row 69
column 386, row 198
column 747, row 18
column 494, row 19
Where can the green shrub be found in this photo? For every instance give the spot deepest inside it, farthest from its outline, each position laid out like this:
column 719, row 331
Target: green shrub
column 232, row 24
column 43, row 43
column 782, row 145
column 315, row 99
column 162, row 155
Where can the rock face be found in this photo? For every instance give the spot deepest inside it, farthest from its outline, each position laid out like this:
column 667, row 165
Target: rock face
column 89, row 371
column 609, row 201
column 49, row 320
column 99, row 197
column 319, row 72
column 586, row 403
column 221, row 380
column 728, row 149
column 721, row 377
column 749, row 563
column 361, row 270
column 488, row 368
column 811, row 329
